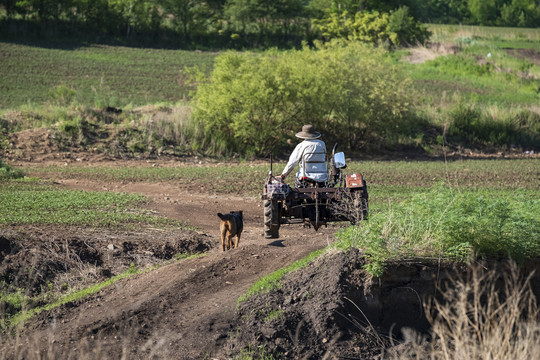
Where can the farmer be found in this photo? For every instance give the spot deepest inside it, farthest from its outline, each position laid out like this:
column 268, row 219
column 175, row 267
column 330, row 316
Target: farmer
column 311, row 155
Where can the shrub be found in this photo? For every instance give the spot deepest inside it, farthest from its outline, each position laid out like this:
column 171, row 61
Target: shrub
column 396, row 28
column 253, row 103
column 8, row 172
column 62, row 95
column 450, row 224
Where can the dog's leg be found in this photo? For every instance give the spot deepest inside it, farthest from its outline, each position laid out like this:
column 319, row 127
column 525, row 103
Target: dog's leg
column 237, row 240
column 223, row 236
column 230, row 242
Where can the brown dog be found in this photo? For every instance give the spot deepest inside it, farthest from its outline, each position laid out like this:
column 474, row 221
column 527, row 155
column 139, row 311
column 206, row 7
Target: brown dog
column 232, row 225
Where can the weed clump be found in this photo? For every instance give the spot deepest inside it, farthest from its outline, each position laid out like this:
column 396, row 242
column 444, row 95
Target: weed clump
column 8, row 172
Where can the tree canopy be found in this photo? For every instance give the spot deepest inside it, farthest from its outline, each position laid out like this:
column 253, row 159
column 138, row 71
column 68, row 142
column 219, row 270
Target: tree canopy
column 253, row 23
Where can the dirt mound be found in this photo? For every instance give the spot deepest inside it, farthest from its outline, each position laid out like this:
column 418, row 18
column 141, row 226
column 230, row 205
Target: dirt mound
column 38, row 259
column 328, row 308
column 335, row 309
column 530, row 55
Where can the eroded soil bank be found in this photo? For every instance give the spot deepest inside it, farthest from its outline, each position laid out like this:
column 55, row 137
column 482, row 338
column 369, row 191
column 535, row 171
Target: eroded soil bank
column 334, row 309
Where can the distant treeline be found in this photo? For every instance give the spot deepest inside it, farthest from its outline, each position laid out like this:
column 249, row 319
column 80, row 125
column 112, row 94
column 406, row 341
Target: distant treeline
column 236, row 23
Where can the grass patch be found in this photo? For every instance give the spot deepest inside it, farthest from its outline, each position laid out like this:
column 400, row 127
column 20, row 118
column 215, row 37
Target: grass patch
column 386, row 179
column 273, row 280
column 258, row 352
column 31, row 201
column 449, row 223
column 98, row 76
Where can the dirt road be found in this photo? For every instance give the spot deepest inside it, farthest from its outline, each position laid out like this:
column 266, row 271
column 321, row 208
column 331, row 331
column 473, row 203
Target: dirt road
column 183, row 310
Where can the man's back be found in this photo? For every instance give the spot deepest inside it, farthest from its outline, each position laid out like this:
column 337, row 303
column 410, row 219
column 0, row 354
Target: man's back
column 311, row 156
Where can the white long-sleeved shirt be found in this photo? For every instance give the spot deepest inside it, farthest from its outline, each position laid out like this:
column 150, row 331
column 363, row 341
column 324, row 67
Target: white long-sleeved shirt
column 311, row 155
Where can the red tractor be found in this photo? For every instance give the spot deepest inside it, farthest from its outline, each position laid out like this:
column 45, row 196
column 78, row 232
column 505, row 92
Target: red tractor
column 340, row 198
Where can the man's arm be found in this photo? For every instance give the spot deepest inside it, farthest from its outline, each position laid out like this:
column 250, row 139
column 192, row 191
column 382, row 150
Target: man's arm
column 293, row 160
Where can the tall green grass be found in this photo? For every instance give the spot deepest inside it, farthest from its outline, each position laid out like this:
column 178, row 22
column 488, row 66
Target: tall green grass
column 450, row 223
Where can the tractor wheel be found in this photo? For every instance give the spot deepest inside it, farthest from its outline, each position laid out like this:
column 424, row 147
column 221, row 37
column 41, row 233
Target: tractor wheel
column 271, row 219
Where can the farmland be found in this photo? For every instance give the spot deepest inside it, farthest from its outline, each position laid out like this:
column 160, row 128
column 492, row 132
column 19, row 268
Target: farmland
column 109, row 239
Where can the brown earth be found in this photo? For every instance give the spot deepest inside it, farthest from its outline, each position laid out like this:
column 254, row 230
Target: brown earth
column 182, row 310
column 188, row 309
column 530, row 55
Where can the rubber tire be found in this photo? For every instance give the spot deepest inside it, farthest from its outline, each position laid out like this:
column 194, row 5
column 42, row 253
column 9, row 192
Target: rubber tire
column 271, row 219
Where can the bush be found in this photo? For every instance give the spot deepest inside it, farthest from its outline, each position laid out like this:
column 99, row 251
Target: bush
column 396, row 28
column 253, row 103
column 62, row 95
column 452, row 224
column 7, row 172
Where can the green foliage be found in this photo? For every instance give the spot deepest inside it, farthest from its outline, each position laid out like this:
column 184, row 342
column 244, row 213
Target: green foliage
column 33, row 202
column 8, row 172
column 408, row 31
column 237, row 23
column 451, row 224
column 396, row 28
column 496, row 129
column 253, row 103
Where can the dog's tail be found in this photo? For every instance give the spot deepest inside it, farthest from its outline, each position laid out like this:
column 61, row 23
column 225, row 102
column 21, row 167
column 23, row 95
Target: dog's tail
column 221, row 216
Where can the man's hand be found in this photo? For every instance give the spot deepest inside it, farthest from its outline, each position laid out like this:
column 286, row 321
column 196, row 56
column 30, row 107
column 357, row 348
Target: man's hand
column 281, row 178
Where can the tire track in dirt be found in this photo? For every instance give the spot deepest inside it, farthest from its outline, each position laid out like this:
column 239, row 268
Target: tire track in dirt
column 182, row 310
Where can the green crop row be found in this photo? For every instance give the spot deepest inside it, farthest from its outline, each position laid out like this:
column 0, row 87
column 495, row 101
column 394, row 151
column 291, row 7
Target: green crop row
column 98, row 76
column 31, row 201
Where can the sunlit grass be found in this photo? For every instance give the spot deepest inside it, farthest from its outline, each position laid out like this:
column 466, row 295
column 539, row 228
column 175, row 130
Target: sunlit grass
column 99, row 75
column 36, row 202
column 385, row 179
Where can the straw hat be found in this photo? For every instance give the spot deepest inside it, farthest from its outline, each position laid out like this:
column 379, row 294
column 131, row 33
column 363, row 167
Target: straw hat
column 308, row 133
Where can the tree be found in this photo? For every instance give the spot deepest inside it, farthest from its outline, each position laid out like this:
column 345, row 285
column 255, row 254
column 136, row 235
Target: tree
column 396, row 28
column 253, row 103
column 484, row 12
column 523, row 13
column 262, row 14
column 186, row 14
column 9, row 6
